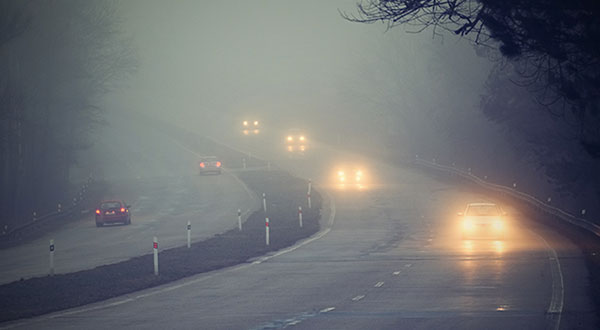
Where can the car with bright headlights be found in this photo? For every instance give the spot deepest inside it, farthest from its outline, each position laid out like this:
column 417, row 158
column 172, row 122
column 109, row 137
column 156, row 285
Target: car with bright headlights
column 296, row 141
column 348, row 176
column 250, row 127
column 483, row 220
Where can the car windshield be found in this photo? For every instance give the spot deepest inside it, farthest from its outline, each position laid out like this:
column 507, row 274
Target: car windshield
column 110, row 205
column 483, row 210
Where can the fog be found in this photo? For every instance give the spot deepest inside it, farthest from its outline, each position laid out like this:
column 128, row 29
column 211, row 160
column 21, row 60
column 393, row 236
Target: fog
column 293, row 64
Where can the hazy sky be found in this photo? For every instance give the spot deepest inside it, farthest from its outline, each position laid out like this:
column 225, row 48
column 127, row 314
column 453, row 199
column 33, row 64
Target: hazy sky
column 280, row 58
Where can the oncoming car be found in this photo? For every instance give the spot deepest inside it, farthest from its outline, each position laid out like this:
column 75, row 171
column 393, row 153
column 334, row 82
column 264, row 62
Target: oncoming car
column 250, row 127
column 483, row 220
column 296, row 141
column 113, row 211
column 209, row 164
column 350, row 176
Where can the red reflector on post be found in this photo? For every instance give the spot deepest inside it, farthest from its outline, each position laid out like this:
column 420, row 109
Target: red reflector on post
column 155, row 245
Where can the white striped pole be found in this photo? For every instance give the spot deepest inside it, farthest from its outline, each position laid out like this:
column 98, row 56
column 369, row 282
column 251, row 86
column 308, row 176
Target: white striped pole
column 300, row 215
column 240, row 219
column 264, row 202
column 308, row 193
column 51, row 257
column 189, row 234
column 267, row 230
column 155, row 248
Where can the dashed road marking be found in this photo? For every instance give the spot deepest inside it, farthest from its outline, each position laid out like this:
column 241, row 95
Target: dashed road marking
column 359, row 297
column 407, row 265
column 397, row 273
column 379, row 284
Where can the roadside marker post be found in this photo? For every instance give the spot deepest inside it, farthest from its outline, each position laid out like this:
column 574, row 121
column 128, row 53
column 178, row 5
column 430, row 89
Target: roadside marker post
column 155, row 248
column 265, row 202
column 189, row 234
column 308, row 193
column 267, row 230
column 51, row 257
column 300, row 215
column 240, row 219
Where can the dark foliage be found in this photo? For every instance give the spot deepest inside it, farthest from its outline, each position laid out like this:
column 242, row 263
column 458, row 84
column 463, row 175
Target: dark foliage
column 554, row 42
column 56, row 58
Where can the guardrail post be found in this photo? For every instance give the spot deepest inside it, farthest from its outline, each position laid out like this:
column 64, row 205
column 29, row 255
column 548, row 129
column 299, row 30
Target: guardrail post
column 51, row 248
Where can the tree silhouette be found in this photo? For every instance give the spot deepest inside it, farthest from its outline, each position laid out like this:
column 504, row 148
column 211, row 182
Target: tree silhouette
column 554, row 43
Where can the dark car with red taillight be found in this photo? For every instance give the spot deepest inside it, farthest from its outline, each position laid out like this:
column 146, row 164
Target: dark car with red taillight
column 210, row 164
column 112, row 212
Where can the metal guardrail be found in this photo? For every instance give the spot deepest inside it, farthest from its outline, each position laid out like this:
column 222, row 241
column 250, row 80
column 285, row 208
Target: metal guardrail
column 542, row 206
column 7, row 232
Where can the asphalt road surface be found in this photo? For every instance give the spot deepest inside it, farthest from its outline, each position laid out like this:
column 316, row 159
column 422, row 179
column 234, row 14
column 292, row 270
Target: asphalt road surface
column 159, row 178
column 389, row 256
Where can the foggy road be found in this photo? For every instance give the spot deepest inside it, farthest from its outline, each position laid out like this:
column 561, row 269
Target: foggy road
column 389, row 256
column 159, row 178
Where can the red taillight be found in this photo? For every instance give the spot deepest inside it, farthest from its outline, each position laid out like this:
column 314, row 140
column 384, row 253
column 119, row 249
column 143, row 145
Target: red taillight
column 97, row 211
column 122, row 210
column 202, row 164
column 218, row 164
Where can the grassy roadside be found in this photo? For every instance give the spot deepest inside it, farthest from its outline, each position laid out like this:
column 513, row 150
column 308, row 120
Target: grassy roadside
column 37, row 296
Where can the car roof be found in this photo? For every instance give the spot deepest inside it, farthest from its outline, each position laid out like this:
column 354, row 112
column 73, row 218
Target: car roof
column 112, row 201
column 481, row 204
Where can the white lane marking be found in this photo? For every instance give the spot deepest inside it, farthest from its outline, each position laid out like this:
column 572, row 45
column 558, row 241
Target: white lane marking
column 357, row 298
column 407, row 265
column 558, row 289
column 379, row 284
column 326, row 310
column 397, row 273
column 167, row 287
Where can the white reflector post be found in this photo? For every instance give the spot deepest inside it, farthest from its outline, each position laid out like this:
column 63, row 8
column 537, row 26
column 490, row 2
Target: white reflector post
column 267, row 231
column 240, row 219
column 189, row 234
column 264, row 202
column 308, row 194
column 51, row 257
column 155, row 248
column 300, row 215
